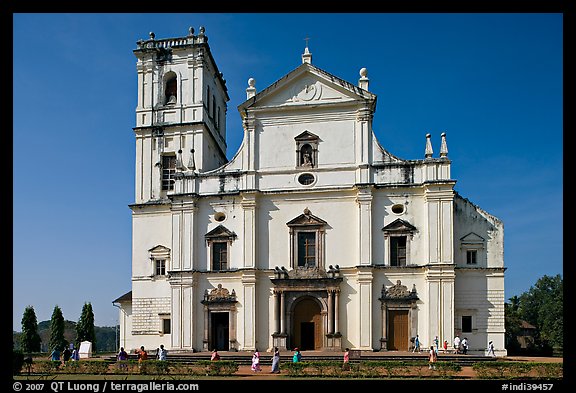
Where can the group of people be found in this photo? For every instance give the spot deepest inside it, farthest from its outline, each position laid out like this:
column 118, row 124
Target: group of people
column 275, row 369
column 460, row 345
column 161, row 354
column 65, row 355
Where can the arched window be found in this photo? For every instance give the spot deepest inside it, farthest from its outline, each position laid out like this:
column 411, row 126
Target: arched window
column 170, row 91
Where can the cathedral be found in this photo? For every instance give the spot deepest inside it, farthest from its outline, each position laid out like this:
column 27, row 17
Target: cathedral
column 313, row 235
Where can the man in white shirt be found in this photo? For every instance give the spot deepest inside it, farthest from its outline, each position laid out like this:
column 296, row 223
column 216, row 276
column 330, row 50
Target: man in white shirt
column 456, row 344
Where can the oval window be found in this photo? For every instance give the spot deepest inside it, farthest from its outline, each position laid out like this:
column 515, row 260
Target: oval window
column 398, row 209
column 219, row 216
column 306, row 179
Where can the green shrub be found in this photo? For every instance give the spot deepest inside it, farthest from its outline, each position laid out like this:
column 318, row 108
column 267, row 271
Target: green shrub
column 514, row 370
column 219, row 368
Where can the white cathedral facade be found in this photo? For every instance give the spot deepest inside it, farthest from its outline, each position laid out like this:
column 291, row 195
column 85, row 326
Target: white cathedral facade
column 313, row 235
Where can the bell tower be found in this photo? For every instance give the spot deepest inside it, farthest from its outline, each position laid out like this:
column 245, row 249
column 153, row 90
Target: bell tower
column 181, row 112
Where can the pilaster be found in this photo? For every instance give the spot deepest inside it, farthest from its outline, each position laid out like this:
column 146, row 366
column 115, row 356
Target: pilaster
column 249, row 309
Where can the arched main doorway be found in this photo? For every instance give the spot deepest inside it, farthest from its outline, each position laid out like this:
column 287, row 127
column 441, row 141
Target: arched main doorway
column 307, row 324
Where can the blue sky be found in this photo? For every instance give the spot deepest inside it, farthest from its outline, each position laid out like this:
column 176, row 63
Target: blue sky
column 493, row 82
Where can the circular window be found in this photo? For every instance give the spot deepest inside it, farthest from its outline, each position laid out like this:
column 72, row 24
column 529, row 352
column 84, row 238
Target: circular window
column 306, row 179
column 219, row 216
column 398, row 209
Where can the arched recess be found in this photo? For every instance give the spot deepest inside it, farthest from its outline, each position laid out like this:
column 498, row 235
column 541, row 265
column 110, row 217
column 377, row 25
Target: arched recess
column 170, row 88
column 307, row 323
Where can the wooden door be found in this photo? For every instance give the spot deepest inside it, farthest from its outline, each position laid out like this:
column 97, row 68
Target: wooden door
column 398, row 330
column 307, row 325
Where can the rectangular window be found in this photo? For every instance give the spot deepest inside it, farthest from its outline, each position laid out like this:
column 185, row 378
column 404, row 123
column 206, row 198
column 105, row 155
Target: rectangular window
column 466, row 324
column 219, row 256
column 168, row 172
column 471, row 257
column 160, row 267
column 398, row 251
column 307, row 249
column 166, row 325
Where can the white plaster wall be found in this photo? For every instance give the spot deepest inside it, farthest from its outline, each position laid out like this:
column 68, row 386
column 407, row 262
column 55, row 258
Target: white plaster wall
column 480, row 294
column 276, row 147
column 470, row 218
column 205, row 222
column 148, row 231
column 339, row 210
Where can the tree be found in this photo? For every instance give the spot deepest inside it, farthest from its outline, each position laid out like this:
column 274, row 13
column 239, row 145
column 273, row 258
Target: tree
column 85, row 326
column 543, row 307
column 57, row 339
column 512, row 323
column 30, row 339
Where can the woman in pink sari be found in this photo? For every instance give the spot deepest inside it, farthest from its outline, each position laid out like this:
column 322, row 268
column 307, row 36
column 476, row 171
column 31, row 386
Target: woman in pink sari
column 256, row 361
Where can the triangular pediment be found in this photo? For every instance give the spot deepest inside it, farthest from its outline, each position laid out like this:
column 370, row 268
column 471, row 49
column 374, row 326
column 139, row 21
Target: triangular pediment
column 472, row 238
column 220, row 232
column 399, row 225
column 306, row 219
column 307, row 85
column 306, row 136
column 159, row 249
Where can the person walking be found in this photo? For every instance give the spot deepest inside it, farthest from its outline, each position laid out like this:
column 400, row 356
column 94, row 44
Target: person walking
column 416, row 344
column 55, row 355
column 122, row 357
column 432, row 358
column 275, row 361
column 75, row 355
column 346, row 363
column 297, row 357
column 436, row 344
column 66, row 355
column 464, row 344
column 142, row 356
column 215, row 356
column 256, row 361
column 162, row 353
column 491, row 349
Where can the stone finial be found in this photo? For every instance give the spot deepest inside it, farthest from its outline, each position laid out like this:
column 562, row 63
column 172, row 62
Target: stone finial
column 443, row 146
column 363, row 81
column 202, row 30
column 190, row 31
column 152, row 35
column 191, row 163
column 428, row 153
column 306, row 56
column 179, row 164
column 251, row 90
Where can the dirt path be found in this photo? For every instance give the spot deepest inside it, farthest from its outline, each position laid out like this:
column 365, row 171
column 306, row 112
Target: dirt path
column 466, row 372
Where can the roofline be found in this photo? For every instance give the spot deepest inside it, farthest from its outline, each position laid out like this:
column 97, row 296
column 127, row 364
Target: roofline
column 300, row 69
